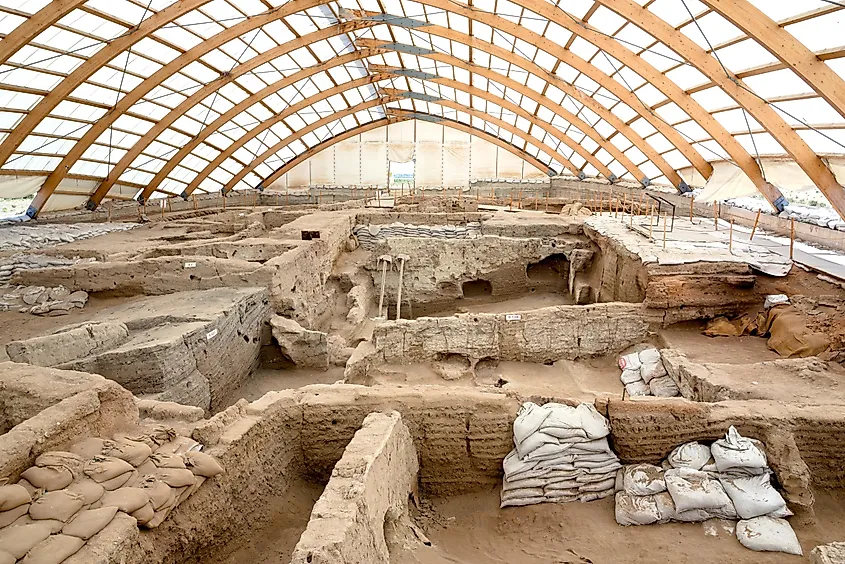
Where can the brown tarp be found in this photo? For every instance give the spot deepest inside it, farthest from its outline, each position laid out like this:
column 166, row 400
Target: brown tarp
column 788, row 335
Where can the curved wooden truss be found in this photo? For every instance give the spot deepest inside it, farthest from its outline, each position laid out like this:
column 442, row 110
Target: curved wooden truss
column 516, row 42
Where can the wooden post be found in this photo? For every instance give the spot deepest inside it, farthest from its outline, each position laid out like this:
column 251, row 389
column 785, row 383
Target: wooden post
column 163, row 203
column 224, row 200
column 194, row 198
column 378, row 196
column 286, row 196
column 476, row 195
column 731, row 238
column 716, row 214
column 510, row 204
column 791, row 238
column 756, row 221
column 664, row 231
column 642, row 199
column 109, row 209
column 691, row 203
column 254, row 198
column 547, row 200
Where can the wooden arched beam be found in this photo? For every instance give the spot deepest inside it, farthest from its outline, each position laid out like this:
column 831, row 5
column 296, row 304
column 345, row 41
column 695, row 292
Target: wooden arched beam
column 38, row 22
column 573, row 119
column 229, row 34
column 765, row 115
column 264, row 125
column 545, row 126
column 349, row 133
column 671, row 90
column 783, row 45
column 150, row 83
column 378, row 75
column 82, row 73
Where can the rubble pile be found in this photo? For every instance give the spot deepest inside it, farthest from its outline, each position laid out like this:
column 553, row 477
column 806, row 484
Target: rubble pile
column 39, row 300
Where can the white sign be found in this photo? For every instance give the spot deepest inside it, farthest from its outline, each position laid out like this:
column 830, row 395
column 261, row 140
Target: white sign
column 190, row 265
column 512, row 317
column 211, row 334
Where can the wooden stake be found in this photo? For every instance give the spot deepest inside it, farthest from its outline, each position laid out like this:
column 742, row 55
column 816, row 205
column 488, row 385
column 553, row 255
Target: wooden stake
column 716, row 215
column 691, row 203
column 756, row 221
column 194, row 198
column 731, row 238
column 254, row 197
column 547, row 200
column 286, row 196
column 791, row 238
column 651, row 222
column 222, row 195
column 642, row 199
column 162, row 208
column 664, row 231
column 110, row 203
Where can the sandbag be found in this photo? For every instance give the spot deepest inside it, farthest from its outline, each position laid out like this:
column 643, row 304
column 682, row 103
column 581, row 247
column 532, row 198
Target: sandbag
column 61, row 459
column 643, row 479
column 88, row 523
column 534, row 442
column 528, row 420
column 177, row 445
column 649, row 356
column 638, row 388
column 630, row 362
column 664, row 387
column 54, row 525
column 690, row 455
column 48, row 478
column 118, row 482
column 606, row 484
column 593, row 422
column 508, row 485
column 699, row 515
column 636, row 509
column 88, row 489
column 592, row 496
column 54, row 550
column 12, row 515
column 154, row 437
column 17, row 541
column 158, row 491
column 693, row 489
column 133, row 452
column 12, row 496
column 736, row 452
column 166, row 460
column 630, row 376
column 562, row 416
column 144, row 514
column 175, row 477
column 521, row 493
column 753, row 496
column 652, row 370
column 103, row 468
column 768, row 534
column 60, row 505
column 126, row 499
column 521, row 501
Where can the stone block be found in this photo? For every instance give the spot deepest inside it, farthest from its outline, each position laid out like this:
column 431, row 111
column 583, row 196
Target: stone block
column 65, row 346
column 302, row 346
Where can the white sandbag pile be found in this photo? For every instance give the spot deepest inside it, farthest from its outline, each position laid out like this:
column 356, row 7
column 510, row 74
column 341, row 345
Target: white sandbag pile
column 69, row 497
column 728, row 480
column 643, row 374
column 561, row 455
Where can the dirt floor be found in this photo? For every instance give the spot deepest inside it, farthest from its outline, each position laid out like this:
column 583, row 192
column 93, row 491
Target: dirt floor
column 689, row 339
column 264, row 380
column 18, row 326
column 499, row 304
column 471, row 529
column 582, row 380
column 274, row 543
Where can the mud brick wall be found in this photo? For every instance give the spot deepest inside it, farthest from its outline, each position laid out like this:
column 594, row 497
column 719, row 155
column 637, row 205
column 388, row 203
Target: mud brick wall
column 647, row 431
column 461, row 436
column 551, row 333
column 370, row 486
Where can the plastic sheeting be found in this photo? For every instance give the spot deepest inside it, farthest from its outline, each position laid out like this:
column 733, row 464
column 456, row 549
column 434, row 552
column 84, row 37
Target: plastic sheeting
column 20, row 186
column 429, row 171
column 456, row 157
column 347, row 159
column 400, row 152
column 322, row 168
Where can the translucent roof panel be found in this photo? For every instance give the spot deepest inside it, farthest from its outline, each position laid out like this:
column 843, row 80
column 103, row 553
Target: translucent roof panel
column 216, row 95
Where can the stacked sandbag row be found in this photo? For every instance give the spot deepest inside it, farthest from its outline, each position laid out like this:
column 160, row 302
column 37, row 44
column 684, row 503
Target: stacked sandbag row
column 561, row 455
column 68, row 497
column 728, row 480
column 643, row 374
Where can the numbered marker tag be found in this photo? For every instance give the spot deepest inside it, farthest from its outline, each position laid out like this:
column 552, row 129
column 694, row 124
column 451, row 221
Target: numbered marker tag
column 211, row 334
column 190, row 265
column 512, row 317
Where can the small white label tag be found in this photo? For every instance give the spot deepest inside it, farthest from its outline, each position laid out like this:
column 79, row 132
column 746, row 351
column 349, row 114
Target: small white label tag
column 211, row 334
column 190, row 265
column 240, row 215
column 512, row 317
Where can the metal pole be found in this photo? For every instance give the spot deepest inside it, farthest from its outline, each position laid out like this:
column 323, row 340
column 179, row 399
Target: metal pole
column 791, row 238
column 664, row 231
